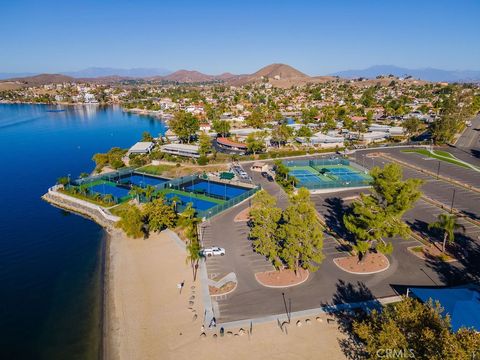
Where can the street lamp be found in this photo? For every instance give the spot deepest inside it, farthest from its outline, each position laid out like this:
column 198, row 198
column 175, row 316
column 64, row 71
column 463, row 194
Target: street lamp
column 453, row 199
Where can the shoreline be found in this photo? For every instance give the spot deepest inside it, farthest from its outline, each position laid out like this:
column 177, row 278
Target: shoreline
column 144, row 316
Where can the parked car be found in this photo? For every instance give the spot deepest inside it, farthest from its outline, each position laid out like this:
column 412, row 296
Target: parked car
column 213, row 251
column 264, row 174
column 270, row 178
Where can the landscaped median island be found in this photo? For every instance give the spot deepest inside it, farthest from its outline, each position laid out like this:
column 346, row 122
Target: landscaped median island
column 374, row 263
column 443, row 156
column 282, row 278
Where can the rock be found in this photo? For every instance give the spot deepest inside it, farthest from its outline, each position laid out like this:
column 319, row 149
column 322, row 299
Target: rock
column 191, row 303
column 192, row 287
column 319, row 319
column 299, row 323
column 308, row 322
column 229, row 334
column 203, row 335
column 214, row 336
column 235, row 335
column 241, row 332
column 195, row 317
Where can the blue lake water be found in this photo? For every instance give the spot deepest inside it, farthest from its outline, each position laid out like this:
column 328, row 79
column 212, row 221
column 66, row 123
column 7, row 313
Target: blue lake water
column 50, row 261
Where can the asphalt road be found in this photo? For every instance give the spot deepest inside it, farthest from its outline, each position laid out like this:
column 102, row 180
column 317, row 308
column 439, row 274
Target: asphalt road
column 465, row 200
column 470, row 139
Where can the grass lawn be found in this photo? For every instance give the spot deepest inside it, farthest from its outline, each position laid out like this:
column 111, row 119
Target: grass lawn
column 439, row 155
column 117, row 210
column 99, row 202
column 155, row 169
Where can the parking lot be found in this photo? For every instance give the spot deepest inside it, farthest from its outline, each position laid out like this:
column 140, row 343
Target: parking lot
column 330, row 284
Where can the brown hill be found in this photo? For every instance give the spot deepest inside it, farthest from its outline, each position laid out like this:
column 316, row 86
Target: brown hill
column 279, row 70
column 279, row 75
column 187, row 76
column 42, row 79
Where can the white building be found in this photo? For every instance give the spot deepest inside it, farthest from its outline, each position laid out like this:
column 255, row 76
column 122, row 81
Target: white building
column 322, row 140
column 142, row 147
column 181, row 150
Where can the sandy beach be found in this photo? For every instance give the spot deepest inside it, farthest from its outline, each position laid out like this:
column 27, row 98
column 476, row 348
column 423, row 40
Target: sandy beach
column 148, row 318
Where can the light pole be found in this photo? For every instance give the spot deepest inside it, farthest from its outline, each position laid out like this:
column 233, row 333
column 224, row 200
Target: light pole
column 438, row 169
column 453, row 199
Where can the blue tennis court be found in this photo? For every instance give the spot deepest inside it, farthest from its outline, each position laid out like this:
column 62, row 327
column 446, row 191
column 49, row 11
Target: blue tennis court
column 198, row 204
column 144, row 180
column 306, row 177
column 105, row 189
column 214, row 189
column 346, row 174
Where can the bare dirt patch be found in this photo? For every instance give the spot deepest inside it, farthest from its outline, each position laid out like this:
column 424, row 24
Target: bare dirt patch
column 282, row 278
column 243, row 215
column 375, row 262
column 226, row 288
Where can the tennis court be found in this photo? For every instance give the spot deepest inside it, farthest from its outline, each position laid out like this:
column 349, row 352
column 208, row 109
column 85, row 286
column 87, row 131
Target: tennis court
column 145, row 180
column 213, row 189
column 307, row 176
column 185, row 199
column 327, row 173
column 109, row 188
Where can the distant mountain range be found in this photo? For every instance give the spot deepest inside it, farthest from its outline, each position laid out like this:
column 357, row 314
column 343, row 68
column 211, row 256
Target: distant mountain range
column 96, row 72
column 428, row 74
column 279, row 75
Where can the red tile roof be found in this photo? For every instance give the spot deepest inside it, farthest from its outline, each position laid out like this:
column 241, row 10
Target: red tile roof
column 230, row 143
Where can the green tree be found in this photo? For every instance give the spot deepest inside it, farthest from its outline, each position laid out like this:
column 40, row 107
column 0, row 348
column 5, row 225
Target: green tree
column 379, row 215
column 255, row 142
column 159, row 215
column 193, row 255
column 64, row 180
column 146, row 136
column 131, row 221
column 184, row 125
column 256, row 119
column 416, row 329
column 281, row 134
column 265, row 216
column 301, row 233
column 305, row 132
column 136, row 192
column 412, row 125
column 309, row 115
column 204, row 144
column 447, row 224
column 221, row 127
column 149, row 191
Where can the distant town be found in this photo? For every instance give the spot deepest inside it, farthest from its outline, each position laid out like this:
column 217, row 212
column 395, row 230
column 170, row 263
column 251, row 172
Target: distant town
column 277, row 108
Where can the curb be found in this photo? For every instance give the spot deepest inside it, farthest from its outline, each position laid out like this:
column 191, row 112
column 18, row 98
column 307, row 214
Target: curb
column 283, row 287
column 361, row 273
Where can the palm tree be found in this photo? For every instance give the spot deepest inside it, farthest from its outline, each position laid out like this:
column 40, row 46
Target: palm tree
column 149, row 190
column 136, row 192
column 193, row 255
column 108, row 198
column 447, row 224
column 175, row 200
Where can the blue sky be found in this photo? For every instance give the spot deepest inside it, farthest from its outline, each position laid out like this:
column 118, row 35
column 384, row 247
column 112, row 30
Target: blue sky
column 317, row 37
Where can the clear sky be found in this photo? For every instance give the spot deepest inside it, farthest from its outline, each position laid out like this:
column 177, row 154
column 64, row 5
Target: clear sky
column 317, row 37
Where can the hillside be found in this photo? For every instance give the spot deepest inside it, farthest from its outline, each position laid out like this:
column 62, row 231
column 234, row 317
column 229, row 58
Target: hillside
column 187, row 76
column 42, row 79
column 429, row 74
